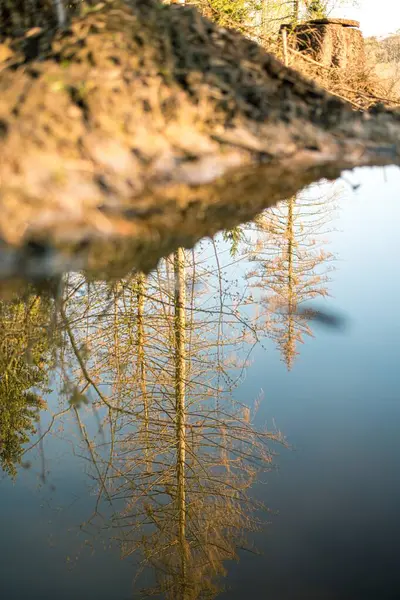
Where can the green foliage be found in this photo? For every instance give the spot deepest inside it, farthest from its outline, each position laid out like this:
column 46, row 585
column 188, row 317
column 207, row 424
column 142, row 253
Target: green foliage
column 74, row 395
column 23, row 348
column 229, row 10
column 17, row 423
column 234, row 237
column 229, row 13
column 317, row 9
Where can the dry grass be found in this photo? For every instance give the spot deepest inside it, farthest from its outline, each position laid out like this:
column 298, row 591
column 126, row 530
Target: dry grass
column 363, row 88
column 375, row 83
column 388, row 75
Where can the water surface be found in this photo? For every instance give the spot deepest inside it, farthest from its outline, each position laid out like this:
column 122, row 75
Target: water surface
column 199, row 416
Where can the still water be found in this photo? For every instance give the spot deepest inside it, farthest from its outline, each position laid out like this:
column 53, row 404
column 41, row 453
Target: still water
column 227, row 426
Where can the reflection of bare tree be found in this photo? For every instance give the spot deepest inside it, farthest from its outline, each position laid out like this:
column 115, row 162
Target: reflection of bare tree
column 291, row 266
column 181, row 453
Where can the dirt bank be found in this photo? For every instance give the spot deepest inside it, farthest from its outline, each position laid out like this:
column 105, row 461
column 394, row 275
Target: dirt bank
column 144, row 127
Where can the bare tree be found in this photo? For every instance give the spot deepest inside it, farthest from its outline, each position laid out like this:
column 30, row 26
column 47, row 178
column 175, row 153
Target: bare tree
column 183, row 466
column 293, row 266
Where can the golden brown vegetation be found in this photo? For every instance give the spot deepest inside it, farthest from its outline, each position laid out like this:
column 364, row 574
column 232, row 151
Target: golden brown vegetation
column 377, row 80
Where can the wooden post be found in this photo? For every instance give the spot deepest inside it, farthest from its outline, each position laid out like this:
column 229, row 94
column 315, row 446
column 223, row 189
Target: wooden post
column 296, row 9
column 60, row 12
column 285, row 48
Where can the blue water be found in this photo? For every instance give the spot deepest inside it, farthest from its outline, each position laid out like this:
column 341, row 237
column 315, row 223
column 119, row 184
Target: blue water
column 334, row 525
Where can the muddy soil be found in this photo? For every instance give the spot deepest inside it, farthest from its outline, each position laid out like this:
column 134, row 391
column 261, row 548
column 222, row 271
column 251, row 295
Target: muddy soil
column 139, row 127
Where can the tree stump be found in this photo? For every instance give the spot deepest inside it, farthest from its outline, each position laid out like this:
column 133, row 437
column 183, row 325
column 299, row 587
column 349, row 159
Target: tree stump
column 331, row 42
